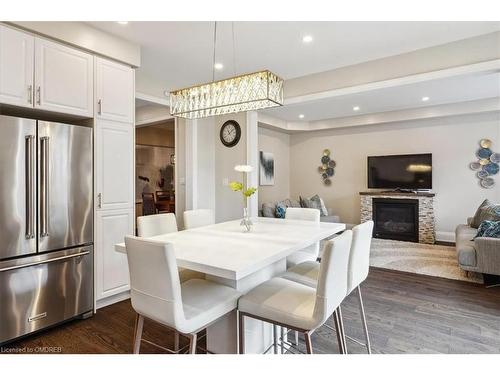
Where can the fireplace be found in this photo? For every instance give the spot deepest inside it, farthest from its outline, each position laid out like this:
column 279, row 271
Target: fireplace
column 396, row 219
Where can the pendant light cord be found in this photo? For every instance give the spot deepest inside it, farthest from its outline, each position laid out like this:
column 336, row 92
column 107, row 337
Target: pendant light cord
column 234, row 49
column 215, row 43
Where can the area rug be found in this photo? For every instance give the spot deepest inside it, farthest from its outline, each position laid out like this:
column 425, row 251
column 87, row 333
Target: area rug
column 432, row 260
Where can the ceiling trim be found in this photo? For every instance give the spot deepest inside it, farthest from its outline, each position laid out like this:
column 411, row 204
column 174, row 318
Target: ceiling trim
column 152, row 99
column 423, row 113
column 483, row 67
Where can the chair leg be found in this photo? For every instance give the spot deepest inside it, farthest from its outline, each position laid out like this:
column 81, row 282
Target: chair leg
column 192, row 343
column 241, row 333
column 139, row 325
column 363, row 320
column 337, row 331
column 282, row 340
column 307, row 338
column 176, row 341
column 342, row 331
column 275, row 338
column 297, row 338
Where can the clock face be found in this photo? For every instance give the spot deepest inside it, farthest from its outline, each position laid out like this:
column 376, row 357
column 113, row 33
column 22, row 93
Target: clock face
column 230, row 133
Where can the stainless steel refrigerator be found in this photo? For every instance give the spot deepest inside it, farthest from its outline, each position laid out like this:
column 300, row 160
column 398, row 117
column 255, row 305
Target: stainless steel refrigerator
column 46, row 224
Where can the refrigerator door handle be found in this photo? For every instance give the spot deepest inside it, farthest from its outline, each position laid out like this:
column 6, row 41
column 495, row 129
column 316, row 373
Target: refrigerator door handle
column 30, row 181
column 51, row 260
column 44, row 186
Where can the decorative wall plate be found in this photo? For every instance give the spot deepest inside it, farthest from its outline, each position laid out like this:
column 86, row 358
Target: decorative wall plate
column 484, row 161
column 495, row 157
column 326, row 159
column 326, row 152
column 329, row 172
column 332, row 164
column 327, row 181
column 475, row 166
column 487, row 183
column 327, row 167
column 491, row 168
column 482, row 174
column 485, row 143
column 321, row 169
column 484, row 153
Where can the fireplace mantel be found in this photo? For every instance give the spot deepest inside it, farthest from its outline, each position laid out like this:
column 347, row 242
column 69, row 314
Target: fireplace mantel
column 426, row 224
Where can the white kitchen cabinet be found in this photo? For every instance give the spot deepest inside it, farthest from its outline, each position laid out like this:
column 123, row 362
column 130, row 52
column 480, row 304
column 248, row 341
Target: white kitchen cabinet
column 16, row 67
column 114, row 91
column 112, row 276
column 64, row 80
column 114, row 165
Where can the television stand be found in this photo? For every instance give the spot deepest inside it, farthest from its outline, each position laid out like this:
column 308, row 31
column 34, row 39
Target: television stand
column 399, row 190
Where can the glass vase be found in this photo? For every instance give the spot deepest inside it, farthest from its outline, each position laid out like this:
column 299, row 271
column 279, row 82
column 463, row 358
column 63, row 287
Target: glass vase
column 246, row 222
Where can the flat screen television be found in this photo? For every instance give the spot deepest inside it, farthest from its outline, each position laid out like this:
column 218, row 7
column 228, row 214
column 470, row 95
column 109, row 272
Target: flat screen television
column 411, row 172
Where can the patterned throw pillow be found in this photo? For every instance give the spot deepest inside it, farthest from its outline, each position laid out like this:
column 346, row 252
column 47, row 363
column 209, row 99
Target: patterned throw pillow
column 486, row 211
column 323, row 210
column 268, row 210
column 489, row 228
column 310, row 203
column 280, row 210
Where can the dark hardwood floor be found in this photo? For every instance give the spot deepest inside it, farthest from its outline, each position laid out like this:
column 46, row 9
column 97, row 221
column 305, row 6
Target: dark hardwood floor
column 406, row 313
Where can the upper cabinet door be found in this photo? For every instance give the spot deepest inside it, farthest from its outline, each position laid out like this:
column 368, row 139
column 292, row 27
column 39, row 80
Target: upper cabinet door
column 114, row 99
column 63, row 79
column 16, row 67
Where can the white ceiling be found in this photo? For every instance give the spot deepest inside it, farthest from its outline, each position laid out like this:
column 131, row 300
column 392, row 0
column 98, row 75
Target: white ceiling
column 439, row 91
column 178, row 54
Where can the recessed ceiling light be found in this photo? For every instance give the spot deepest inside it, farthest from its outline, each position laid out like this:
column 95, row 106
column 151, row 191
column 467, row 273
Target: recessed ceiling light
column 355, row 108
column 122, row 22
column 425, row 98
column 301, row 116
column 218, row 66
column 307, row 39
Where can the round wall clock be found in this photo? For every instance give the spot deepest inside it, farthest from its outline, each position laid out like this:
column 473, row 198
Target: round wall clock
column 230, row 133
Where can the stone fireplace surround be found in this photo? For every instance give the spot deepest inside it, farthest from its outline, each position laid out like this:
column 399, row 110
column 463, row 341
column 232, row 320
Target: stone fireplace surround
column 426, row 221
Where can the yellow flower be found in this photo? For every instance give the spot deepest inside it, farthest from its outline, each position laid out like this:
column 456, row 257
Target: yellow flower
column 236, row 186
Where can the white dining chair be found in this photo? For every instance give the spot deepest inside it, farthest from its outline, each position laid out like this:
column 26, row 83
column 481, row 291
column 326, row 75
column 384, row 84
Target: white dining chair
column 198, row 218
column 309, row 253
column 300, row 307
column 154, row 225
column 157, row 293
column 307, row 273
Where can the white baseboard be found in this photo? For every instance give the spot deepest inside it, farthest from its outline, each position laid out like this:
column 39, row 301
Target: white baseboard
column 445, row 236
column 113, row 299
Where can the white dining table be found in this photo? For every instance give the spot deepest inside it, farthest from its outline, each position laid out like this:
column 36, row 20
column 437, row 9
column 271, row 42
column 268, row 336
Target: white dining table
column 227, row 254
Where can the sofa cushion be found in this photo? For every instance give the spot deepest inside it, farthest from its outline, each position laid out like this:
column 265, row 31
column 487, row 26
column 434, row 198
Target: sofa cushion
column 309, row 203
column 323, row 211
column 465, row 247
column 330, row 219
column 486, row 211
column 489, row 228
column 268, row 210
column 280, row 210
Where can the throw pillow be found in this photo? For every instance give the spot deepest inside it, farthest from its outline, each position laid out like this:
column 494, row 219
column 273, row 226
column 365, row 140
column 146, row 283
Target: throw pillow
column 280, row 210
column 323, row 210
column 310, row 203
column 269, row 210
column 486, row 211
column 489, row 228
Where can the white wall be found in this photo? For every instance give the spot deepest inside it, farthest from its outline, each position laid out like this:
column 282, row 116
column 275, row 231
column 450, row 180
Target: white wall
column 278, row 143
column 453, row 142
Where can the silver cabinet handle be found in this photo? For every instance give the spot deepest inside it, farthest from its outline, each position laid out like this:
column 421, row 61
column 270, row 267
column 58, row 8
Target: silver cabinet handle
column 30, row 94
column 38, row 96
column 30, row 201
column 45, row 261
column 99, row 200
column 99, row 104
column 44, row 186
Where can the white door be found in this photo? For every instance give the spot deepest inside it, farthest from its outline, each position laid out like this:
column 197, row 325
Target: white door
column 114, row 165
column 114, row 99
column 112, row 275
column 63, row 79
column 16, row 67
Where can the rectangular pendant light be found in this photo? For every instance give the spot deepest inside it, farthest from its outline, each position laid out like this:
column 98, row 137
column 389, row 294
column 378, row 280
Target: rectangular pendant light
column 237, row 94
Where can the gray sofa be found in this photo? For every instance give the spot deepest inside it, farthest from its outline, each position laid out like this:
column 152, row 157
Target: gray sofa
column 271, row 211
column 481, row 255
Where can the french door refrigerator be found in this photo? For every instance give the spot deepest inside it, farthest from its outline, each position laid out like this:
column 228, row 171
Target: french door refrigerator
column 46, row 224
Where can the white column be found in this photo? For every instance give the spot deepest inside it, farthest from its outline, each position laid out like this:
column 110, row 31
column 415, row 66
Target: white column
column 253, row 160
column 191, row 164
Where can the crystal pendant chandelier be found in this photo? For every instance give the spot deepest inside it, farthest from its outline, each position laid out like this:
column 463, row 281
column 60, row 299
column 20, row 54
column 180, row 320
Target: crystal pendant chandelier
column 246, row 92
